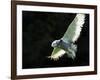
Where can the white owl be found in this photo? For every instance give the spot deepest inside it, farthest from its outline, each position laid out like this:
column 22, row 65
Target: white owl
column 66, row 45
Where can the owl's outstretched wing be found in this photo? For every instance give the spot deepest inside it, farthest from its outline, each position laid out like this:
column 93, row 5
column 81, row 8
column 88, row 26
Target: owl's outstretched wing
column 74, row 29
column 57, row 53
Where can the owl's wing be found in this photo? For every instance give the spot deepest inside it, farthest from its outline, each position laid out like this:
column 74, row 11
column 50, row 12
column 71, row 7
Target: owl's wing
column 57, row 53
column 74, row 29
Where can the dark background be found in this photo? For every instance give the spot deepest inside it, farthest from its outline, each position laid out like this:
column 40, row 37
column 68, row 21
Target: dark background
column 40, row 29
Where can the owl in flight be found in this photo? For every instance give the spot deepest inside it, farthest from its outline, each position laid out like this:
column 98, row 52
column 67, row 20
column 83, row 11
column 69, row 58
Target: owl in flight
column 66, row 45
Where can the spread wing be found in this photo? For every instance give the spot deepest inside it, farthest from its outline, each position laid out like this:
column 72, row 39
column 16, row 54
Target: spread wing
column 74, row 29
column 57, row 53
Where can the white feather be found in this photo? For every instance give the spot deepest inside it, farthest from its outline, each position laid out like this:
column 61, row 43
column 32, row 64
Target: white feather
column 74, row 29
column 57, row 55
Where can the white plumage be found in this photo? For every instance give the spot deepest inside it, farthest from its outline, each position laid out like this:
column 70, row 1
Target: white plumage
column 74, row 29
column 71, row 35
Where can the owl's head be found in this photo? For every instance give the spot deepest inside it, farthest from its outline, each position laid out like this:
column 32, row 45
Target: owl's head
column 55, row 43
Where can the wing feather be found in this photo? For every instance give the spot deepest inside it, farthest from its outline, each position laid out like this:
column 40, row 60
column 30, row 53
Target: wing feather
column 74, row 29
column 57, row 53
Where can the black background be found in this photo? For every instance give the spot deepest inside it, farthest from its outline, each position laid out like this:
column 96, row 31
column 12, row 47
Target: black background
column 40, row 29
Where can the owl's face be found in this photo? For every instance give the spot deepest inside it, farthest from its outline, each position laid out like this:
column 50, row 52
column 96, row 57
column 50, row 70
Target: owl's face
column 55, row 43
